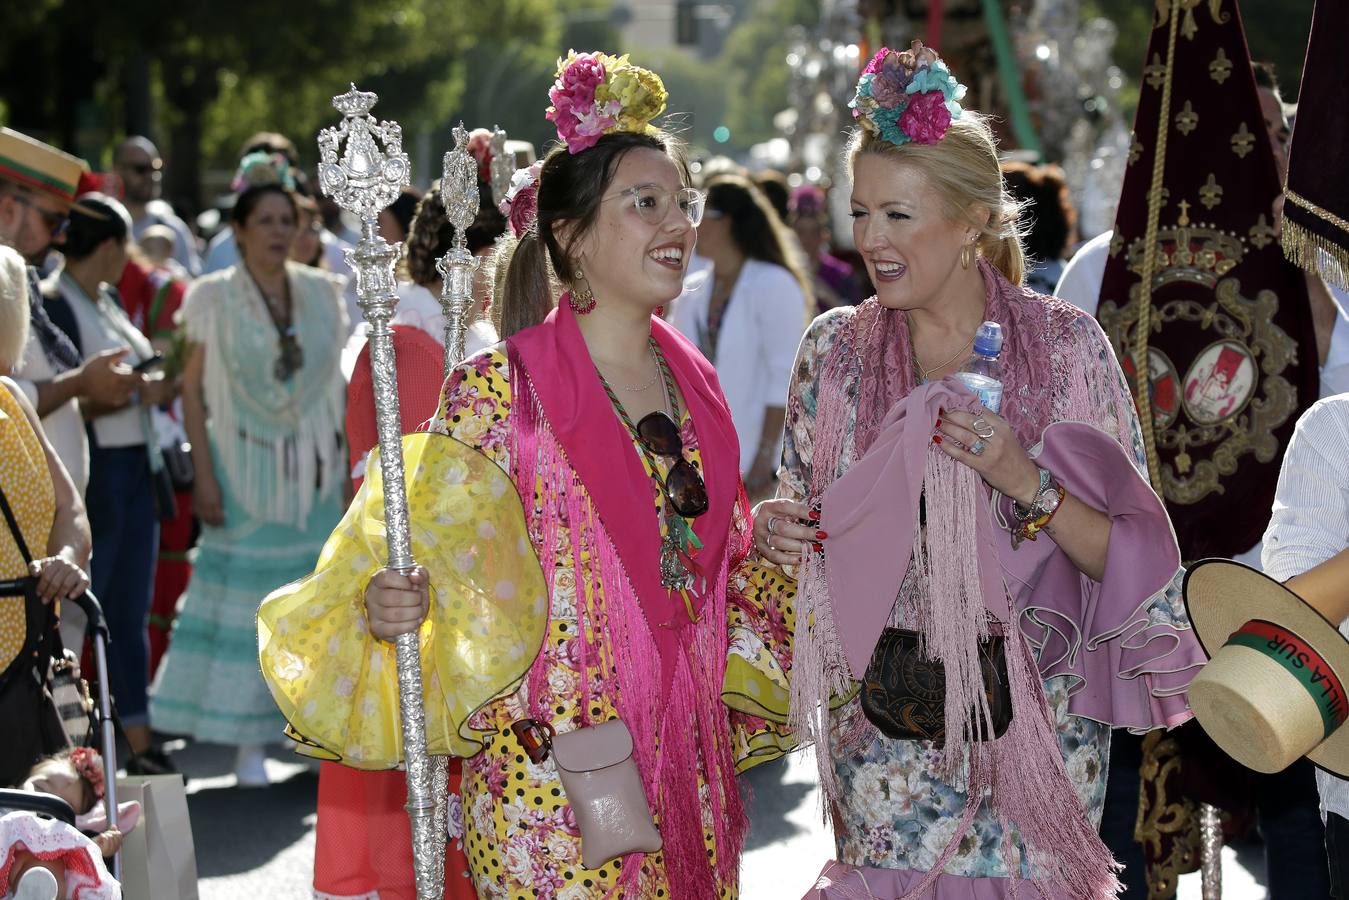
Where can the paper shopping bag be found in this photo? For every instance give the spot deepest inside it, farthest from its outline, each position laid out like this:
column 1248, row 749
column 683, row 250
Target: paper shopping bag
column 159, row 861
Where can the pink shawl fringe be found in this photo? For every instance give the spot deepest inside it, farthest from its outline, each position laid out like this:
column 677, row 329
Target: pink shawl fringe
column 686, row 722
column 1023, row 773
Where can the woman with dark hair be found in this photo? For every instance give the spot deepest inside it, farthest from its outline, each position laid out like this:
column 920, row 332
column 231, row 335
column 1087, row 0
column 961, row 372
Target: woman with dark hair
column 748, row 316
column 624, row 634
column 395, row 220
column 262, row 406
column 1051, row 220
column 124, row 455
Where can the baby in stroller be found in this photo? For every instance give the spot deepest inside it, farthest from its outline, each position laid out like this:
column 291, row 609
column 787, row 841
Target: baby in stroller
column 45, row 858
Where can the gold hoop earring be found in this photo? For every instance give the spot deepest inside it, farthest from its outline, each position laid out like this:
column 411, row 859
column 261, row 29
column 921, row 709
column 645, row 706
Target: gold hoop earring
column 967, row 255
column 582, row 297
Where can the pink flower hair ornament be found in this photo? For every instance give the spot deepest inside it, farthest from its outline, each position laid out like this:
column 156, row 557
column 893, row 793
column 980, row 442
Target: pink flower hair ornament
column 907, row 95
column 520, row 206
column 89, row 765
column 597, row 94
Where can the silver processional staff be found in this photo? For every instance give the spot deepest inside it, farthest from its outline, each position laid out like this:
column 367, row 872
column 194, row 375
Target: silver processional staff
column 364, row 179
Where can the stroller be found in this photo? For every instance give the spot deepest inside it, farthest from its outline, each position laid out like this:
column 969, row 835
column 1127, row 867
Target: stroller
column 43, row 644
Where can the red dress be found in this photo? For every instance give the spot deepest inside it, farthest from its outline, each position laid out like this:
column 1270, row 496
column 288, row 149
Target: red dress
column 363, row 843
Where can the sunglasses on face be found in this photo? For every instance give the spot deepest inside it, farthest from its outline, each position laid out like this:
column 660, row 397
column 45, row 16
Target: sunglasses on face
column 652, row 203
column 683, row 484
column 54, row 221
column 142, row 169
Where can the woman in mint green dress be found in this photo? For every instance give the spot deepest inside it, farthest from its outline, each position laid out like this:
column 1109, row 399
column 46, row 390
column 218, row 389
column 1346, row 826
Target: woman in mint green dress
column 263, row 404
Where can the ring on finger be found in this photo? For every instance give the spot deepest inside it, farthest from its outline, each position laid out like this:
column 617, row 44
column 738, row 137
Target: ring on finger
column 981, row 427
column 770, row 542
column 772, row 524
column 977, row 448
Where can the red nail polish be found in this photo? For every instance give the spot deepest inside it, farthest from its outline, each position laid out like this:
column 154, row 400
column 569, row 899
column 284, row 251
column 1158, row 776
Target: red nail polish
column 936, row 439
column 819, row 548
column 821, row 534
column 939, row 423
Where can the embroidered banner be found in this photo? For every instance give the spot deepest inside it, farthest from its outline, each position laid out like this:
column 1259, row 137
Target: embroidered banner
column 1196, row 289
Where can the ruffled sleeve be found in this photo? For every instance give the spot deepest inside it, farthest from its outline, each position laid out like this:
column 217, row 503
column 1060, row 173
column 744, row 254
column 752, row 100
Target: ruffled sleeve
column 1129, row 650
column 757, row 688
column 337, row 684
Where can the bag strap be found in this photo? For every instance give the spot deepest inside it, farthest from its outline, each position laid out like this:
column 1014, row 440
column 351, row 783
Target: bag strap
column 14, row 528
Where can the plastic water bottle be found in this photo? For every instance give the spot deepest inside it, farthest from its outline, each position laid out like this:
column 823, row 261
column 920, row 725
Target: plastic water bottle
column 982, row 372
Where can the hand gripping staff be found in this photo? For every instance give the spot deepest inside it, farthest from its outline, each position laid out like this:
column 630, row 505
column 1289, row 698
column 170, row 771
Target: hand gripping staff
column 364, row 179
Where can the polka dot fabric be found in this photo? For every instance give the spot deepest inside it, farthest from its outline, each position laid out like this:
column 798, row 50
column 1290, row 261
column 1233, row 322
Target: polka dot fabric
column 520, row 835
column 27, row 484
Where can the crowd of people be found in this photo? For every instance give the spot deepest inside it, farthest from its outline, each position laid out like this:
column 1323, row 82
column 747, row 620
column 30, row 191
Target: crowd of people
column 705, row 490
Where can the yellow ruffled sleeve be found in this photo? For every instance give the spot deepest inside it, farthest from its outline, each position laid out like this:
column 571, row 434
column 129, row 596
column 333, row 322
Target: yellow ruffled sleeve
column 337, row 684
column 757, row 686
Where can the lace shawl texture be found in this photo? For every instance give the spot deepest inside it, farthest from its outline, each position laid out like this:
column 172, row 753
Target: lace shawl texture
column 1046, row 379
column 273, row 443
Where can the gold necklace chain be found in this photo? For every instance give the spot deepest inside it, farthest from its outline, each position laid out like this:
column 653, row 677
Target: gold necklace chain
column 640, row 388
column 923, row 371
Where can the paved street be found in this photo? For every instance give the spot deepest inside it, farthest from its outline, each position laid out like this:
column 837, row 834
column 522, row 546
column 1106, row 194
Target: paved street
column 259, row 844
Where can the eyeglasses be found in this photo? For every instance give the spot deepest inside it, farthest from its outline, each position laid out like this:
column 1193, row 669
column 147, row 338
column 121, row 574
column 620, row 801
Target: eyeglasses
column 652, row 203
column 56, row 222
column 683, row 484
column 143, row 169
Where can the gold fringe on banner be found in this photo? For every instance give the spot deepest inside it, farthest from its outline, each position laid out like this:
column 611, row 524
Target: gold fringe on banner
column 1314, row 252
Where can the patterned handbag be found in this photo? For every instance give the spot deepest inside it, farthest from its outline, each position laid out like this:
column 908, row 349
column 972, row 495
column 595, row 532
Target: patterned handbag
column 904, row 693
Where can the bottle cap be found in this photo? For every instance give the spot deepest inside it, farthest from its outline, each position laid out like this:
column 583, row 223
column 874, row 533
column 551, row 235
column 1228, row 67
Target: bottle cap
column 988, row 339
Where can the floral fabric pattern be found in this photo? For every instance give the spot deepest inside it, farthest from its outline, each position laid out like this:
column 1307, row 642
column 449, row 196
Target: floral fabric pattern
column 520, row 835
column 898, row 808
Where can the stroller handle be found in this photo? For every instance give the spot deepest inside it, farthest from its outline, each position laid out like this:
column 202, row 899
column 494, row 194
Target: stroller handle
column 89, row 603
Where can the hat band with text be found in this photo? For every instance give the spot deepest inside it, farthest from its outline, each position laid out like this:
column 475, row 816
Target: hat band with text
column 1301, row 661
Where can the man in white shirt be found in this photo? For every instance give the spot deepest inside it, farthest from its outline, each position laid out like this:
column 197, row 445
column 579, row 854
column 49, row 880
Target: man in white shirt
column 1309, row 525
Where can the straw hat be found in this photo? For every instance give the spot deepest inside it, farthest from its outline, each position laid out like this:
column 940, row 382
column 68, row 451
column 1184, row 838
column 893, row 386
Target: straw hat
column 38, row 166
column 1274, row 687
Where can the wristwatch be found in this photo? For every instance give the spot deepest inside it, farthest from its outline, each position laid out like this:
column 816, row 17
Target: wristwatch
column 1048, row 500
column 1036, row 508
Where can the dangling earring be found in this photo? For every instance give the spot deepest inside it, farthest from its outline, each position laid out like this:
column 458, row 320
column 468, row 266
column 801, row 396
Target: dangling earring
column 582, row 298
column 967, row 255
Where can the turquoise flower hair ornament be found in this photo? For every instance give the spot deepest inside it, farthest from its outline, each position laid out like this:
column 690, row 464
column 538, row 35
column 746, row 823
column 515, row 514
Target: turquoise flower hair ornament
column 907, row 95
column 261, row 167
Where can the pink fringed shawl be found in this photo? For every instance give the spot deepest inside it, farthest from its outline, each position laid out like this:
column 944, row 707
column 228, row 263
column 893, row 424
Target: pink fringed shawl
column 567, row 439
column 967, row 564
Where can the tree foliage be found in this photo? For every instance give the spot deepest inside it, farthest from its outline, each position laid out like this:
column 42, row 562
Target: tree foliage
column 200, row 75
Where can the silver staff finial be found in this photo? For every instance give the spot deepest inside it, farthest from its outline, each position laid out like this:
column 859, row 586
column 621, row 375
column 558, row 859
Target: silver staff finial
column 459, row 184
column 364, row 178
column 459, row 193
column 503, row 166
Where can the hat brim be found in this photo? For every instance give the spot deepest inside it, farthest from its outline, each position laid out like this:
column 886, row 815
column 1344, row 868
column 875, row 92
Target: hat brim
column 1222, row 595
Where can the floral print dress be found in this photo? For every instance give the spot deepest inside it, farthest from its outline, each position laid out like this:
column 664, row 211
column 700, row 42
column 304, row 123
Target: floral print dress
column 897, row 808
column 520, row 835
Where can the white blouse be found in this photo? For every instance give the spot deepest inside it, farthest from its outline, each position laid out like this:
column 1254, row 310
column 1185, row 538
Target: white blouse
column 761, row 329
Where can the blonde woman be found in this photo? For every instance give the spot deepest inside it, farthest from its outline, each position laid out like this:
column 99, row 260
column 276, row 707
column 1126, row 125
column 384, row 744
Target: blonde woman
column 900, row 457
column 55, row 544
